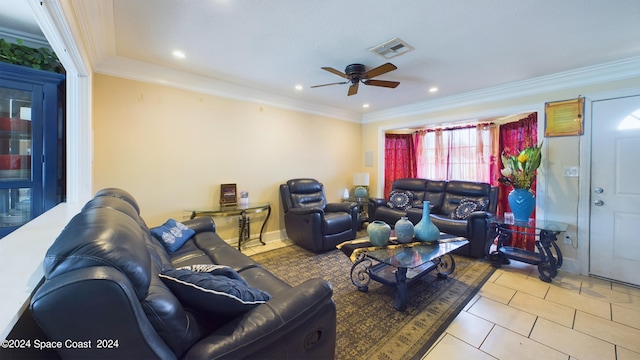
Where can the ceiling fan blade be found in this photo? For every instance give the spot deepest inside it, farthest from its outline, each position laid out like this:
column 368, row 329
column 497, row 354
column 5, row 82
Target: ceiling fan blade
column 334, row 71
column 382, row 69
column 335, row 83
column 383, row 83
column 353, row 89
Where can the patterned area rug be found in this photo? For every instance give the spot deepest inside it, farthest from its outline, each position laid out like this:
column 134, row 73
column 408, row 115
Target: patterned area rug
column 368, row 325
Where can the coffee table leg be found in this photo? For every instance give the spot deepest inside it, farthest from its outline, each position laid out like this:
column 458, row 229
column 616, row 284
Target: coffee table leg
column 360, row 272
column 400, row 300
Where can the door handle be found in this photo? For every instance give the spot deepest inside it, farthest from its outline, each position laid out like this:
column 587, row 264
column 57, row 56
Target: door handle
column 598, row 203
column 599, row 190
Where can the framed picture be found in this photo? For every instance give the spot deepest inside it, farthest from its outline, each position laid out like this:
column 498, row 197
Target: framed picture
column 564, row 118
column 228, row 195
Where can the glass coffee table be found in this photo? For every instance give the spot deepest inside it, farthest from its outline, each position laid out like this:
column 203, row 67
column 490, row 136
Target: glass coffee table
column 399, row 265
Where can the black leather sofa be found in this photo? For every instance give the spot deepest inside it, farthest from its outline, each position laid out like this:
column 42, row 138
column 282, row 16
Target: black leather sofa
column 102, row 288
column 444, row 197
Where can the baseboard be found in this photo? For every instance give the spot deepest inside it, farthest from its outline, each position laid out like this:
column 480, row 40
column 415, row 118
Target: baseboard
column 571, row 266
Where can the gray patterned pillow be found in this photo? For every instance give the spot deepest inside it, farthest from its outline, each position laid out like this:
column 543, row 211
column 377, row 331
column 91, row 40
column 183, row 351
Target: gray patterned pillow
column 467, row 206
column 400, row 199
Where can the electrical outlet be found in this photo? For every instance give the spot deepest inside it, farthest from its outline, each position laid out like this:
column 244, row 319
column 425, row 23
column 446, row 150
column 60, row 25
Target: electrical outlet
column 570, row 171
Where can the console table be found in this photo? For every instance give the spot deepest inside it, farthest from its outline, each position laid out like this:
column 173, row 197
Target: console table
column 548, row 263
column 243, row 212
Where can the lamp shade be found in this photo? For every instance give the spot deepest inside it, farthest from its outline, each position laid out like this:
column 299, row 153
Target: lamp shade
column 361, row 179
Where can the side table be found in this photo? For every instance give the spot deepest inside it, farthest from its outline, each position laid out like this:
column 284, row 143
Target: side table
column 242, row 211
column 548, row 263
column 363, row 213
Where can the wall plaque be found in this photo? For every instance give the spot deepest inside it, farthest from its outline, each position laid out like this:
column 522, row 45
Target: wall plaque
column 564, row 118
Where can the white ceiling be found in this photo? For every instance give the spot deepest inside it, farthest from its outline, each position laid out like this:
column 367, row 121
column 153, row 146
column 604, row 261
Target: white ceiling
column 264, row 48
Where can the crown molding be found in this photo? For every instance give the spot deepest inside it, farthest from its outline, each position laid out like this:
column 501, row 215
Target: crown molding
column 99, row 39
column 591, row 75
column 31, row 40
column 100, row 43
column 141, row 71
column 101, row 47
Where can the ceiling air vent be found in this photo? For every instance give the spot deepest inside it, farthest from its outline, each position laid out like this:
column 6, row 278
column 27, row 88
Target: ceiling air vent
column 392, row 48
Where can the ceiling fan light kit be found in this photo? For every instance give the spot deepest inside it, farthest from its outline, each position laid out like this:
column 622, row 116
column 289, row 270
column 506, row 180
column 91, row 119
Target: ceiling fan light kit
column 356, row 74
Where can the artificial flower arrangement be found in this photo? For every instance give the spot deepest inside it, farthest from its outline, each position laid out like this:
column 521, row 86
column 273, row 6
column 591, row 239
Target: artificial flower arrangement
column 520, row 170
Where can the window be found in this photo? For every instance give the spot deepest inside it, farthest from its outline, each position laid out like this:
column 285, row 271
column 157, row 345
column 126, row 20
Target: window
column 457, row 153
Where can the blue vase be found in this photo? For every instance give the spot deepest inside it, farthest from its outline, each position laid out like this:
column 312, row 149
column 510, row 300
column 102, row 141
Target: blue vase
column 425, row 230
column 379, row 233
column 522, row 203
column 404, row 230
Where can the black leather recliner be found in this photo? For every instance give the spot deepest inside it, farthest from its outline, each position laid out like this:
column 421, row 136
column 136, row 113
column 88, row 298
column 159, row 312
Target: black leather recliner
column 311, row 222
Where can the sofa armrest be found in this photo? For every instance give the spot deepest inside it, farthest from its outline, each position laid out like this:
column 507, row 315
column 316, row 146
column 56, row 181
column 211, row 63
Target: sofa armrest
column 374, row 203
column 70, row 305
column 378, row 201
column 477, row 219
column 343, row 206
column 477, row 226
column 293, row 319
column 201, row 224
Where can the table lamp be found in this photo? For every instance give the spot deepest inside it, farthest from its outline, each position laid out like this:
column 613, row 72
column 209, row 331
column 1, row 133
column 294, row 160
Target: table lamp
column 361, row 183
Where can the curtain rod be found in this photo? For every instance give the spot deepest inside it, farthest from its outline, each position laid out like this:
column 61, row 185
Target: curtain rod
column 484, row 125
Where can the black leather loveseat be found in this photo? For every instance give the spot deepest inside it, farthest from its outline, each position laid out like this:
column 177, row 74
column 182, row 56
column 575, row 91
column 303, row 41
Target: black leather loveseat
column 103, row 296
column 444, row 197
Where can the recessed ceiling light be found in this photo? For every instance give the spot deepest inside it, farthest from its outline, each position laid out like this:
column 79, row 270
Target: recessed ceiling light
column 366, row 106
column 179, row 54
column 299, row 87
column 433, row 89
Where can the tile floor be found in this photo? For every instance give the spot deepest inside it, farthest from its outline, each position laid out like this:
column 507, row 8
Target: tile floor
column 517, row 316
column 253, row 246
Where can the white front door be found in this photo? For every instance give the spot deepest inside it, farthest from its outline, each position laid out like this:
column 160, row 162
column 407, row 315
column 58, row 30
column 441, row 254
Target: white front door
column 615, row 190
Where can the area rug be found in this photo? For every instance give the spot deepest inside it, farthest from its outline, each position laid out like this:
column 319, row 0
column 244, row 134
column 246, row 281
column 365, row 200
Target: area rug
column 368, row 327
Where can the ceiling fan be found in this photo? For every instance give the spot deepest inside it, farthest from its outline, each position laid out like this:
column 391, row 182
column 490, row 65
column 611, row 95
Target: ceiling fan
column 355, row 73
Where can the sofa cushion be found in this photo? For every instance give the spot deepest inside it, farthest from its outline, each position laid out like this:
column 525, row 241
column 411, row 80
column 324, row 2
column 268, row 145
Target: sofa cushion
column 173, row 234
column 336, row 222
column 434, row 194
column 467, row 206
column 400, row 199
column 101, row 237
column 213, row 294
column 458, row 190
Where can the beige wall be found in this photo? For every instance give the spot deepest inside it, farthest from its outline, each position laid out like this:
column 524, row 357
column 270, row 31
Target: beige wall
column 173, row 148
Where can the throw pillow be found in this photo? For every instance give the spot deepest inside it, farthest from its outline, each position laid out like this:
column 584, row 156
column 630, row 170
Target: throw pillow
column 467, row 206
column 213, row 294
column 172, row 234
column 213, row 269
column 400, row 199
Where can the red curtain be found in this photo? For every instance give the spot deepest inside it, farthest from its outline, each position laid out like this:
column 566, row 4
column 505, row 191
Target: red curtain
column 514, row 137
column 399, row 159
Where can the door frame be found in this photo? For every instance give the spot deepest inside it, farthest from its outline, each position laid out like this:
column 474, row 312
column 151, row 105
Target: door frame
column 584, row 188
